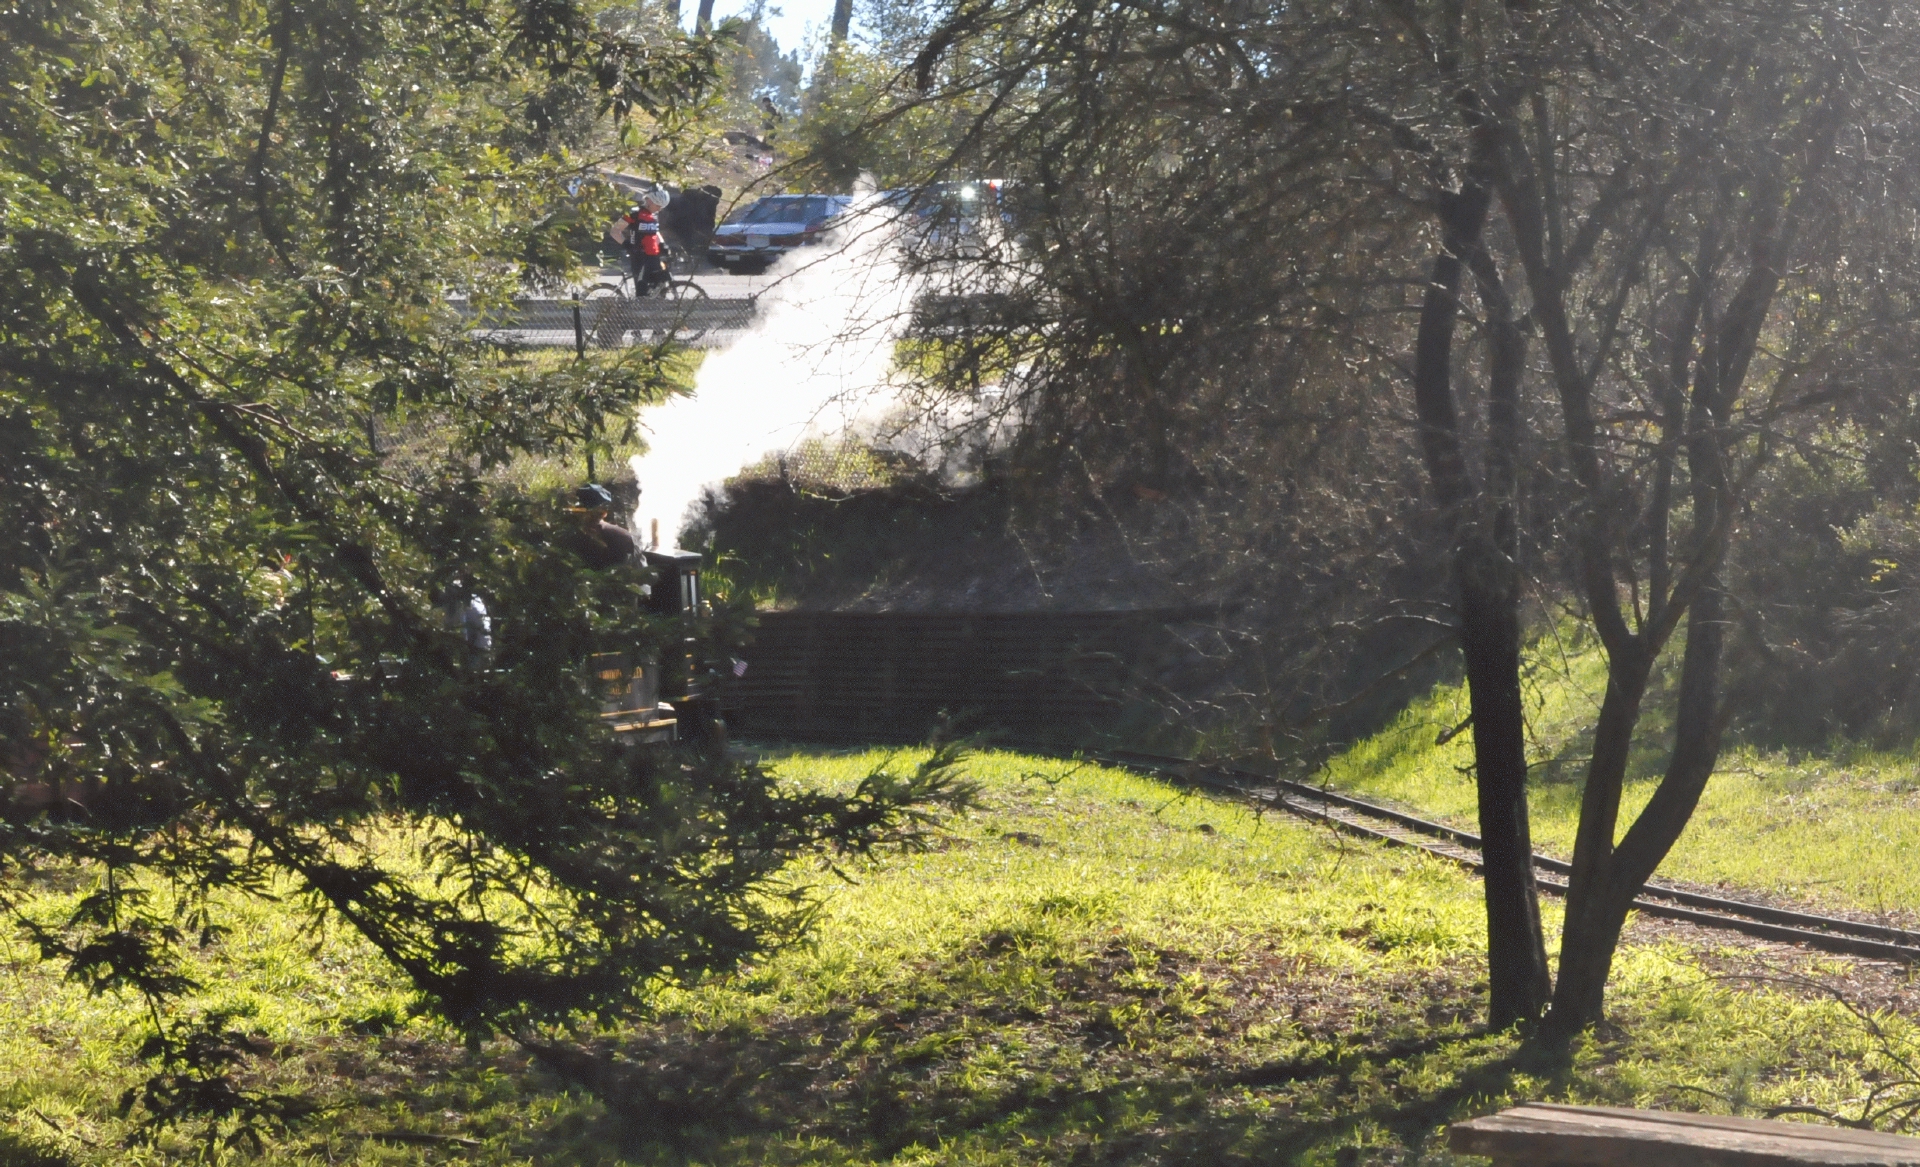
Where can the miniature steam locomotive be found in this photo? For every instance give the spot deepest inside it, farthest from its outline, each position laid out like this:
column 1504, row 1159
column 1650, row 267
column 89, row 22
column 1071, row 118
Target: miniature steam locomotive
column 661, row 698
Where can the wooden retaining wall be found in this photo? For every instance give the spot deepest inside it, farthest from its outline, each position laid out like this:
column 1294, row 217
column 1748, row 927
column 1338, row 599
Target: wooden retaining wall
column 888, row 676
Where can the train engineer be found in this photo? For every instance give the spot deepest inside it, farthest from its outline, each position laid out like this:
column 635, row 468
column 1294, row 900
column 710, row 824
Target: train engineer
column 601, row 543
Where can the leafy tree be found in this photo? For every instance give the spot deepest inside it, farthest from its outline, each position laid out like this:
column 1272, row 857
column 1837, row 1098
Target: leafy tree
column 239, row 241
column 1659, row 212
column 761, row 71
column 1686, row 235
column 1176, row 398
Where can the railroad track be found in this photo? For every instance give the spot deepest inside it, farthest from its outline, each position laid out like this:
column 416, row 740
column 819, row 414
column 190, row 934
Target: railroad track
column 1356, row 816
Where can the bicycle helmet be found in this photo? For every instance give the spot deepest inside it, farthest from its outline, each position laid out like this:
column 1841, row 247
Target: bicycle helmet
column 657, row 198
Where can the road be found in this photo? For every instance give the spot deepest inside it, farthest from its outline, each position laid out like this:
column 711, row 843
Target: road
column 722, row 285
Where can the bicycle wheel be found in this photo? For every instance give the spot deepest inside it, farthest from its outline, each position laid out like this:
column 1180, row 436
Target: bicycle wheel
column 689, row 303
column 609, row 319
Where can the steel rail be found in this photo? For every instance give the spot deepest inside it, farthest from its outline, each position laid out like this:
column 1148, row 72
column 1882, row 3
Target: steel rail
column 1829, row 933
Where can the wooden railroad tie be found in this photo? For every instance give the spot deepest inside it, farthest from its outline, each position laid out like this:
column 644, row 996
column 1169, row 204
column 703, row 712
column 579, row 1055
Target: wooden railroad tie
column 1543, row 1135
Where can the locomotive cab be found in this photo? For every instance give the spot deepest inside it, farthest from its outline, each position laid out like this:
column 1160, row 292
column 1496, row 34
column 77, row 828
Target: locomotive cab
column 676, row 582
column 660, row 699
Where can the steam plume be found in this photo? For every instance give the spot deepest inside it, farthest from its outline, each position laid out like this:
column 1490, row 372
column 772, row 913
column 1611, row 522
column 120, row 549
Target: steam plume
column 818, row 362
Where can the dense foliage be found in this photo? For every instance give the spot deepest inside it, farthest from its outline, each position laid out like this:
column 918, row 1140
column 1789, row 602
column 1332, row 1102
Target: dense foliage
column 1597, row 281
column 240, row 240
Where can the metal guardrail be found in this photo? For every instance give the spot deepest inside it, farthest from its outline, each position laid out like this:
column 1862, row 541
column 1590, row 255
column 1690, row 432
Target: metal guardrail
column 615, row 322
column 611, row 322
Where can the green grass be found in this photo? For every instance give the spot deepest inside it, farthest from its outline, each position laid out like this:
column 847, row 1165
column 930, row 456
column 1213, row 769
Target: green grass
column 1837, row 830
column 1094, row 968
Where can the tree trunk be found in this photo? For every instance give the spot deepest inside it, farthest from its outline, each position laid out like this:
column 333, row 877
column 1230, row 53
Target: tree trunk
column 704, row 21
column 1489, row 629
column 842, row 20
column 1593, row 929
column 1586, row 943
column 1517, row 977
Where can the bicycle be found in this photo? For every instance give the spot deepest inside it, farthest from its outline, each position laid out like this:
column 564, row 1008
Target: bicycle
column 683, row 294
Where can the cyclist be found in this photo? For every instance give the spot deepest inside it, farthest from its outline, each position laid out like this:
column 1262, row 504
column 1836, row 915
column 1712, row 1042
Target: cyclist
column 639, row 232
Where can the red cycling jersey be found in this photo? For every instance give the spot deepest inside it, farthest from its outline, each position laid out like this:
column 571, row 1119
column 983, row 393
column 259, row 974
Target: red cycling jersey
column 643, row 232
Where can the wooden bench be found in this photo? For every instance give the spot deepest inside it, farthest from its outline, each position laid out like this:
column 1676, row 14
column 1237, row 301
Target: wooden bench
column 1543, row 1135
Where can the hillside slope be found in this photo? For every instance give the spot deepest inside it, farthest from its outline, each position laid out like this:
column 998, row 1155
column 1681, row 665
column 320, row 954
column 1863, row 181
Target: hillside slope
column 1837, row 829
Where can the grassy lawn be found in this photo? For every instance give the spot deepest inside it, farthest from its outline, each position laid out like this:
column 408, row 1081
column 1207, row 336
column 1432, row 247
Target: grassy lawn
column 1094, row 969
column 1837, row 830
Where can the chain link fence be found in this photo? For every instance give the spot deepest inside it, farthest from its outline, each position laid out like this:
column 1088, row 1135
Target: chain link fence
column 560, row 329
column 605, row 318
column 832, row 467
column 415, row 447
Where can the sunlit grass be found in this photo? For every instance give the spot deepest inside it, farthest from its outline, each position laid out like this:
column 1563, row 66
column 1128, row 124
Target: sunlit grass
column 1838, row 829
column 1094, row 967
column 1146, row 862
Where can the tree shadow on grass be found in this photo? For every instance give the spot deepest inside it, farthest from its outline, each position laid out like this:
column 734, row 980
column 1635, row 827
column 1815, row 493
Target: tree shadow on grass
column 1125, row 1061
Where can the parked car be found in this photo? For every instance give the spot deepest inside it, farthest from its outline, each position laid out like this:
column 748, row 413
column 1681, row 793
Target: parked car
column 767, row 228
column 956, row 219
